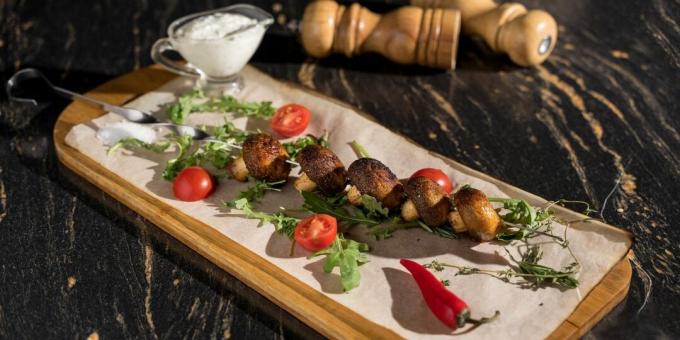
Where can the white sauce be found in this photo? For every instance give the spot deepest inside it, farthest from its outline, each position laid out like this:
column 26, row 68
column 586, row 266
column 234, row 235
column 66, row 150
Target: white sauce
column 214, row 26
column 111, row 133
column 205, row 42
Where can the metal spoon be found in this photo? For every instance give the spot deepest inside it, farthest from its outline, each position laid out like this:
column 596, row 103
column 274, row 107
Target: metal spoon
column 133, row 115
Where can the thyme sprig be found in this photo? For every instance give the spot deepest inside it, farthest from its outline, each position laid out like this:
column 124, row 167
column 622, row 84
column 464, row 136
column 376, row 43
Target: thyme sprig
column 523, row 221
column 527, row 268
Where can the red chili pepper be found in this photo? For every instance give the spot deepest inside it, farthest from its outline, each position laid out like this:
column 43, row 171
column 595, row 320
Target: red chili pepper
column 445, row 305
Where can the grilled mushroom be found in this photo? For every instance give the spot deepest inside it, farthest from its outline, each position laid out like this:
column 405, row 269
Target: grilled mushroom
column 321, row 168
column 264, row 158
column 371, row 177
column 431, row 203
column 478, row 215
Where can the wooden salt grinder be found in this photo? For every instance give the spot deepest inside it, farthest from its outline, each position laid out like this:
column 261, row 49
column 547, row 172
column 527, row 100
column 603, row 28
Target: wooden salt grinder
column 528, row 37
column 407, row 35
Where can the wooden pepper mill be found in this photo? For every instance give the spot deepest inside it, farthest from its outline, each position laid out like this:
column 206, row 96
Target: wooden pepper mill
column 407, row 35
column 528, row 37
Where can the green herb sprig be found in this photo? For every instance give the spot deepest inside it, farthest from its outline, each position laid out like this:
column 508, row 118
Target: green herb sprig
column 294, row 147
column 196, row 101
column 282, row 223
column 522, row 221
column 359, row 149
column 348, row 255
column 255, row 192
column 527, row 269
column 337, row 208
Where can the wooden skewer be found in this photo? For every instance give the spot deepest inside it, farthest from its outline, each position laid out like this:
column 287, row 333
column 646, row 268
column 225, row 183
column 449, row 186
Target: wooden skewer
column 236, row 146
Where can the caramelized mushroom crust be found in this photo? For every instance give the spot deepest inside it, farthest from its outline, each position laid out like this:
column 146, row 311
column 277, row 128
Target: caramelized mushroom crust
column 432, row 203
column 265, row 158
column 480, row 218
column 324, row 168
column 373, row 178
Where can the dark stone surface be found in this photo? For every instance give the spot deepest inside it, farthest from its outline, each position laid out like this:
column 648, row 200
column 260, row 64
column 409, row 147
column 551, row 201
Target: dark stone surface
column 602, row 110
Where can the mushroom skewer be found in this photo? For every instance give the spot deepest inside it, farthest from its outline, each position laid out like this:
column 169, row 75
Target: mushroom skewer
column 236, row 146
column 262, row 157
column 477, row 214
column 427, row 201
column 370, row 176
column 321, row 169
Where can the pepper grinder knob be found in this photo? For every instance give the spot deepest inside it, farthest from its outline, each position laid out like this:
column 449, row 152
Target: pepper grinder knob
column 407, row 35
column 528, row 37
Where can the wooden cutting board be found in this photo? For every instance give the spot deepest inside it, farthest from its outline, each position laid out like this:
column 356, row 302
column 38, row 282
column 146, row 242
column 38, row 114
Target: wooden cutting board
column 307, row 304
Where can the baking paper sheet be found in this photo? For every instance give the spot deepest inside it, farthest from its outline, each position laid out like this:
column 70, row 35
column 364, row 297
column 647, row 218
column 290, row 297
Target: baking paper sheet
column 387, row 294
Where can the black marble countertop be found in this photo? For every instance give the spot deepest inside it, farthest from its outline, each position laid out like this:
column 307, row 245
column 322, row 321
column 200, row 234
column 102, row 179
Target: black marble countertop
column 597, row 122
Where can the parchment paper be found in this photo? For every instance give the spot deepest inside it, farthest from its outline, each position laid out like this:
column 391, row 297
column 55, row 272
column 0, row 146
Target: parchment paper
column 387, row 294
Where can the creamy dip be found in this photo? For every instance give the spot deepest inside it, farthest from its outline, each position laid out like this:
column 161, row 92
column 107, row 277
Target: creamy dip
column 207, row 42
column 214, row 26
column 111, row 133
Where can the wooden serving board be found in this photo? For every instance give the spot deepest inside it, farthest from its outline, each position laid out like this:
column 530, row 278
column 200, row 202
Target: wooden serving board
column 312, row 307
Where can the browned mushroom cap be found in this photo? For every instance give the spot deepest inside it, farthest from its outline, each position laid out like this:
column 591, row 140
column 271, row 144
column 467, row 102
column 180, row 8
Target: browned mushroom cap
column 324, row 168
column 265, row 158
column 480, row 218
column 373, row 178
column 431, row 201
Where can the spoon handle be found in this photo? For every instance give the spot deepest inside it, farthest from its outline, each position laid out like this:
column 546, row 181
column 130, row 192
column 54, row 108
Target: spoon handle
column 90, row 100
column 31, row 73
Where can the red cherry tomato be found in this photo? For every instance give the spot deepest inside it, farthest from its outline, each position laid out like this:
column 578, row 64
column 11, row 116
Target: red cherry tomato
column 291, row 120
column 437, row 176
column 192, row 184
column 316, row 232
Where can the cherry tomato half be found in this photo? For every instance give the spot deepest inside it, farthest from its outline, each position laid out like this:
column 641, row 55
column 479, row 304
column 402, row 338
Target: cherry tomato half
column 192, row 184
column 291, row 120
column 437, row 176
column 316, row 232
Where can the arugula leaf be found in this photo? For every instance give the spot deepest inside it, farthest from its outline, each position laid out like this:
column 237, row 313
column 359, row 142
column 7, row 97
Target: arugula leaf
column 317, row 204
column 229, row 132
column 196, row 101
column 386, row 231
column 348, row 255
column 522, row 221
column 131, row 143
column 255, row 192
column 373, row 208
column 178, row 112
column 177, row 164
column 215, row 154
column 282, row 223
column 294, row 147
